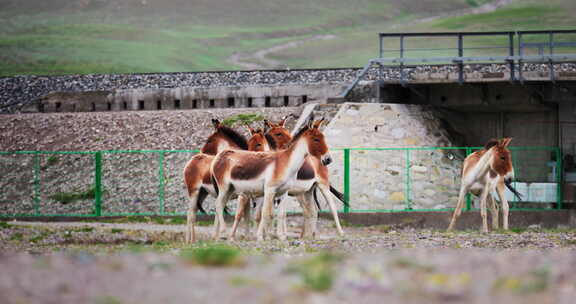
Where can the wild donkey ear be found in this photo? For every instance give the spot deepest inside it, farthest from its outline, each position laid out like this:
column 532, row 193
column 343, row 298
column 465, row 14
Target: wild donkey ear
column 268, row 124
column 506, row 141
column 215, row 123
column 310, row 122
column 283, row 121
column 319, row 123
column 250, row 130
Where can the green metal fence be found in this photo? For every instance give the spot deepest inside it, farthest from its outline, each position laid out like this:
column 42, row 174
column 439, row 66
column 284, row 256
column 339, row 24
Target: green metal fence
column 115, row 183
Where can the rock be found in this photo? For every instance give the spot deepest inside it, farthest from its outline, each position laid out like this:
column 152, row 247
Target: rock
column 397, row 197
column 380, row 194
column 419, row 169
column 398, row 133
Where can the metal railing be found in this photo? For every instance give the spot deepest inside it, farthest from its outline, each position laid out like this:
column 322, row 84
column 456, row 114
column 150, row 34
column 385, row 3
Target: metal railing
column 123, row 183
column 513, row 49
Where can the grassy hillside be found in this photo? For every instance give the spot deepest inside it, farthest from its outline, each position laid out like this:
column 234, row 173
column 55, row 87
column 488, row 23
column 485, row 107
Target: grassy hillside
column 125, row 36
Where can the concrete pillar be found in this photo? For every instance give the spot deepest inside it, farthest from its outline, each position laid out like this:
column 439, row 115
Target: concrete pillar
column 258, row 102
column 277, row 101
column 241, row 102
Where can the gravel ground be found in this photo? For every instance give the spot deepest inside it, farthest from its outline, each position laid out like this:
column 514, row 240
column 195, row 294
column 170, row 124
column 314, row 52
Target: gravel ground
column 142, row 263
column 130, row 130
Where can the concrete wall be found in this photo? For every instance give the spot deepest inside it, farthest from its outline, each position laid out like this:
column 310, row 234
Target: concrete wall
column 18, row 92
column 193, row 98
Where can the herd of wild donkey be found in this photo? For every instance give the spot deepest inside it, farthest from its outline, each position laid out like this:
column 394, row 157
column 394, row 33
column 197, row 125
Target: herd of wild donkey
column 273, row 164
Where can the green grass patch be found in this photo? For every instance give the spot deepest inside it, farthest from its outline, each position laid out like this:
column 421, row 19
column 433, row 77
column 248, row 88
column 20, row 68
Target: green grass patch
column 535, row 281
column 317, row 272
column 345, row 223
column 4, row 225
column 51, row 161
column 204, row 223
column 527, row 17
column 107, row 300
column 39, row 237
column 178, row 220
column 192, row 36
column 215, row 255
column 240, row 281
column 242, row 119
column 412, row 264
column 18, row 236
column 83, row 229
column 70, row 197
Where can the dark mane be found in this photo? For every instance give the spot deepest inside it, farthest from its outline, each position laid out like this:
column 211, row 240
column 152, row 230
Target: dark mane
column 491, row 143
column 236, row 137
column 271, row 141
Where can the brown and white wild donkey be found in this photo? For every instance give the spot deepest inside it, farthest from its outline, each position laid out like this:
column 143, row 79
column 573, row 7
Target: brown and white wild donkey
column 269, row 174
column 311, row 175
column 483, row 172
column 197, row 177
column 276, row 138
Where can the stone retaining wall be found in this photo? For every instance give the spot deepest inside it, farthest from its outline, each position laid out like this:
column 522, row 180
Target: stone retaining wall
column 379, row 179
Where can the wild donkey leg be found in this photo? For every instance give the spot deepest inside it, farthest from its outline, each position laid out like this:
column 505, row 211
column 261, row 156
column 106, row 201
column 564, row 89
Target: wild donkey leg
column 219, row 223
column 247, row 219
column 281, row 219
column 266, row 213
column 505, row 207
column 191, row 217
column 243, row 203
column 305, row 200
column 483, row 212
column 459, row 206
column 494, row 211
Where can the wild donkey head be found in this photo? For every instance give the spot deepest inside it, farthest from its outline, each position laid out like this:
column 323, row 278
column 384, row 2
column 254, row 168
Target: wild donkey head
column 223, row 138
column 257, row 141
column 277, row 133
column 315, row 142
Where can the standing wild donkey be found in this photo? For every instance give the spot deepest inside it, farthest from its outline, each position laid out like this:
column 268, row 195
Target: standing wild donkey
column 197, row 171
column 270, row 174
column 311, row 175
column 483, row 172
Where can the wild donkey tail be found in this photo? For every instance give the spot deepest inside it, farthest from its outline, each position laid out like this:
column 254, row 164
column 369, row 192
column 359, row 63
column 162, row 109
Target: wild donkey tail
column 215, row 184
column 509, row 186
column 339, row 195
column 336, row 193
column 316, row 198
column 201, row 197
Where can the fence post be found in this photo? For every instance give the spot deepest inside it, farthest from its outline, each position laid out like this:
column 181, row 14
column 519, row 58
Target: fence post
column 407, row 191
column 347, row 180
column 558, row 178
column 468, row 195
column 98, row 183
column 161, row 181
column 36, row 183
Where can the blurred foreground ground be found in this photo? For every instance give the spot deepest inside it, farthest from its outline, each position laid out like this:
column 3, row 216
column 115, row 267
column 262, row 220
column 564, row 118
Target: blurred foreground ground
column 148, row 263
